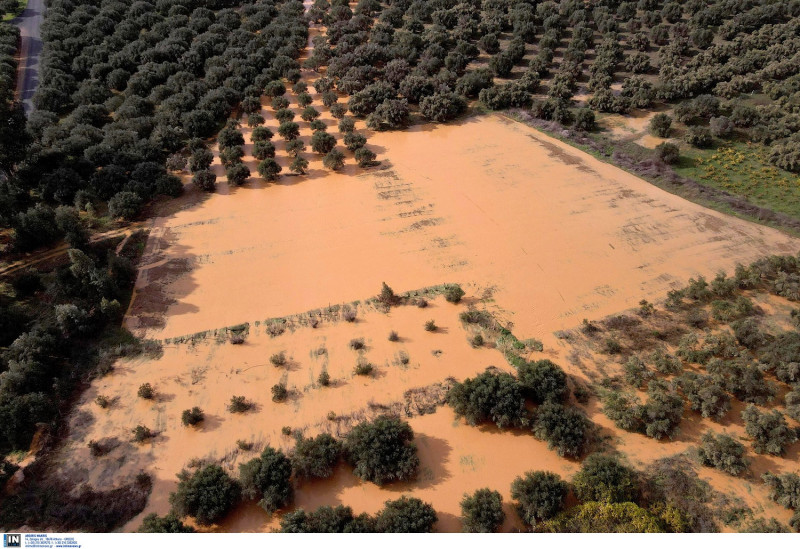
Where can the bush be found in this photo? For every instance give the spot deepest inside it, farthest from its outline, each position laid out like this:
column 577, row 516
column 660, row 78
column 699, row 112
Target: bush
column 784, row 489
column 768, row 430
column 720, row 126
column 278, row 359
column 453, row 293
column 363, row 368
column 205, row 180
column 584, row 120
column 603, row 478
column 406, row 515
column 660, row 125
column 382, row 450
column 724, row 453
column 698, row 136
column 600, row 517
column 322, row 142
column 430, row 326
column 327, row 520
column 146, row 391
column 543, row 381
column 566, row 429
column 334, row 160
column 316, row 457
column 125, row 205
column 393, row 336
column 269, row 169
column 441, row 107
column 207, row 495
column 482, row 512
column 489, row 397
column 267, row 480
column 193, row 416
column 364, row 157
column 539, row 495
column 238, row 405
column 324, row 378
column 357, row 343
column 705, row 395
column 238, row 174
column 668, row 153
column 142, row 433
column 279, row 392
column 168, row 524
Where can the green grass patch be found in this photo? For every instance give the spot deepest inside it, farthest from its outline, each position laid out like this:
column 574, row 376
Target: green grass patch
column 11, row 15
column 744, row 169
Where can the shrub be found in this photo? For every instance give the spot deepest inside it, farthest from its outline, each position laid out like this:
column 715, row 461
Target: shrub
column 382, row 450
column 238, row 174
column 322, row 142
column 668, row 153
column 334, row 160
column 393, row 336
column 316, row 457
column 354, row 141
column 769, row 431
column 357, row 343
column 564, row 428
column 543, row 381
column 784, row 489
column 698, row 136
column 453, row 293
column 660, row 125
column 489, row 397
column 266, row 479
column 205, row 180
column 539, row 495
column 430, row 326
column 238, row 405
column 364, row 157
column 146, row 391
column 705, row 395
column 207, row 495
column 482, row 512
column 406, row 515
column 168, row 524
column 192, row 416
column 324, row 378
column 720, row 126
column 477, row 341
column 601, row 517
column 279, row 392
column 584, row 120
column 663, row 412
column 103, row 401
column 125, row 205
column 363, row 368
column 278, row 359
column 605, row 479
column 327, row 520
column 269, row 169
column 441, row 107
column 724, row 453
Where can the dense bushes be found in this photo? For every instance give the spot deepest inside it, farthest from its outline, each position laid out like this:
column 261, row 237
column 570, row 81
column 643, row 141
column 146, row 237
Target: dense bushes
column 603, row 478
column 404, row 515
column 489, row 397
column 316, row 457
column 266, row 479
column 382, row 450
column 724, row 453
column 482, row 512
column 539, row 496
column 769, row 431
column 206, row 495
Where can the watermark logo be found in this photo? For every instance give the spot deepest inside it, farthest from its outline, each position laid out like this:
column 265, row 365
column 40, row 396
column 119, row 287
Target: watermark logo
column 12, row 540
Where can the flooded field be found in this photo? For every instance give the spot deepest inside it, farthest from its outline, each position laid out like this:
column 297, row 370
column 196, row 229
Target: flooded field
column 539, row 234
column 485, row 202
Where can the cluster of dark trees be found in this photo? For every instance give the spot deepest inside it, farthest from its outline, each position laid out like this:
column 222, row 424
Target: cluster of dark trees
column 742, row 360
column 612, row 497
column 427, row 53
column 380, row 451
column 500, row 398
column 126, row 84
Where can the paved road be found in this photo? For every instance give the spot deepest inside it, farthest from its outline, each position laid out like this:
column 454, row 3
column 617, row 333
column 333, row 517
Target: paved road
column 29, row 23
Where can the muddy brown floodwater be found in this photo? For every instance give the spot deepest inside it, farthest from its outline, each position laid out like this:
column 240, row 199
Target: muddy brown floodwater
column 539, row 233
